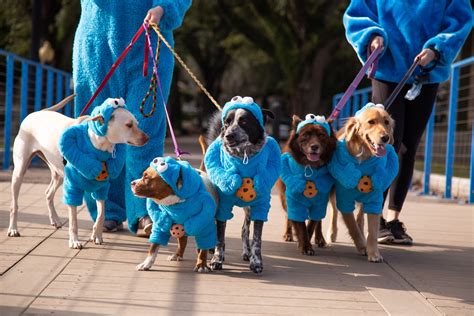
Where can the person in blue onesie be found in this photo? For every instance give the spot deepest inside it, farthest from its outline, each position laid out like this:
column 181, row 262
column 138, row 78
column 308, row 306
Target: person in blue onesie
column 88, row 169
column 196, row 208
column 244, row 182
column 302, row 206
column 104, row 31
column 348, row 171
column 433, row 31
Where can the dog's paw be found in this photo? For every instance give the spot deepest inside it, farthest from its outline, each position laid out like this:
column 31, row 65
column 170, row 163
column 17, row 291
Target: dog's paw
column 97, row 239
column 55, row 221
column 321, row 242
column 308, row 250
column 202, row 268
column 245, row 256
column 175, row 257
column 144, row 266
column 13, row 232
column 332, row 236
column 288, row 237
column 216, row 263
column 362, row 250
column 256, row 267
column 75, row 244
column 376, row 258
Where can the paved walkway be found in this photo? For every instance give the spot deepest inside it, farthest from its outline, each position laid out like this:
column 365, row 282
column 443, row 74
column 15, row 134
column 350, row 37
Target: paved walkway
column 39, row 274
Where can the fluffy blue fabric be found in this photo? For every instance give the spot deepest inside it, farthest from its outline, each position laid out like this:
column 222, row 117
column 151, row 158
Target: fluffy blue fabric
column 294, row 175
column 84, row 164
column 195, row 212
column 226, row 173
column 348, row 171
column 245, row 103
column 368, row 106
column 104, row 31
column 105, row 110
column 313, row 119
column 408, row 27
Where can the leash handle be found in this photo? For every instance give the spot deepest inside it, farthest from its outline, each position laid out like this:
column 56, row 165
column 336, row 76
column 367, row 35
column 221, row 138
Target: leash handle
column 370, row 63
column 112, row 69
column 402, row 82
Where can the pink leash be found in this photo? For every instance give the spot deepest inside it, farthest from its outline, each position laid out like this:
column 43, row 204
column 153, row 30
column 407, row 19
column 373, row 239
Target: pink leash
column 371, row 66
column 177, row 150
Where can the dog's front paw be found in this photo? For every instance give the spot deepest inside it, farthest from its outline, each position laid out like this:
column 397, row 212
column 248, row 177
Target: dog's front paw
column 56, row 222
column 75, row 244
column 307, row 250
column 175, row 257
column 256, row 266
column 245, row 256
column 13, row 232
column 202, row 268
column 332, row 236
column 375, row 257
column 217, row 262
column 321, row 242
column 362, row 250
column 145, row 265
column 288, row 237
column 96, row 238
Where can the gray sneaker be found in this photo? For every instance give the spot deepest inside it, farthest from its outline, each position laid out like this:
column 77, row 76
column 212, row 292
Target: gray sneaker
column 385, row 235
column 112, row 226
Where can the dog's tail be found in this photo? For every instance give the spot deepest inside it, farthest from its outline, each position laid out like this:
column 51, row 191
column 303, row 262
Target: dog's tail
column 61, row 104
column 203, row 143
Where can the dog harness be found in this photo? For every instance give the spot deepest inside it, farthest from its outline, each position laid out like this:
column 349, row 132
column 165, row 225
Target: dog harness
column 195, row 211
column 364, row 181
column 307, row 189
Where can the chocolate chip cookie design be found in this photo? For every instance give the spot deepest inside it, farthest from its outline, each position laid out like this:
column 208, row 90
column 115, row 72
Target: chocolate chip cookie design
column 104, row 174
column 365, row 184
column 310, row 191
column 246, row 192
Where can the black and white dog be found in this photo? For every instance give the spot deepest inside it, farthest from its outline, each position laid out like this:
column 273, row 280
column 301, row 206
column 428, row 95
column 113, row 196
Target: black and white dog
column 243, row 163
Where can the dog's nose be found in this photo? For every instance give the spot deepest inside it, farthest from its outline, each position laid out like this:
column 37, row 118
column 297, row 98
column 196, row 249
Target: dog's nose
column 385, row 138
column 230, row 137
column 314, row 147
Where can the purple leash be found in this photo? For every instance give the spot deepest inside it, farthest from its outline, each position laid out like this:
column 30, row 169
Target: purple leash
column 371, row 66
column 177, row 151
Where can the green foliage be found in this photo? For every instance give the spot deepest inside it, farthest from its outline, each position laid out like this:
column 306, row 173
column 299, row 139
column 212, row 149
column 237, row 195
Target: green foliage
column 15, row 26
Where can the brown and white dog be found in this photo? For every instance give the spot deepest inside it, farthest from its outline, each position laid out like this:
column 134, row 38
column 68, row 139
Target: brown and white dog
column 152, row 186
column 366, row 135
column 311, row 148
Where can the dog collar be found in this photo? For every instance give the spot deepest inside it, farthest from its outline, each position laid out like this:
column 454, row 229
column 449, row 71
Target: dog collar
column 245, row 103
column 368, row 106
column 316, row 120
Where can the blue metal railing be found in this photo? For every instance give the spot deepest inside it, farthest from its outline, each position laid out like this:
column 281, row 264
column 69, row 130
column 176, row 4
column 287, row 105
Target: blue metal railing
column 361, row 96
column 57, row 84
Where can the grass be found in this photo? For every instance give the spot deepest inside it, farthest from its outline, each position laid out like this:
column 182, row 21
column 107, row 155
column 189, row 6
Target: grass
column 461, row 171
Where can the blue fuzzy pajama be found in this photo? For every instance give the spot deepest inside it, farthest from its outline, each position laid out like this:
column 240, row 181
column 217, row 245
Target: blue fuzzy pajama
column 84, row 164
column 226, row 173
column 104, row 31
column 294, row 175
column 348, row 171
column 408, row 27
column 195, row 212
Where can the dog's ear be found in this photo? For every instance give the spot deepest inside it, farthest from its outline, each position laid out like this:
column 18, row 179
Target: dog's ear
column 296, row 121
column 392, row 128
column 351, row 128
column 179, row 182
column 267, row 114
column 98, row 118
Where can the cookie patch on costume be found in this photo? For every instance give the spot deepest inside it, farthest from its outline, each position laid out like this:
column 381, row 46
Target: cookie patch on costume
column 104, row 174
column 310, row 190
column 365, row 184
column 177, row 231
column 246, row 192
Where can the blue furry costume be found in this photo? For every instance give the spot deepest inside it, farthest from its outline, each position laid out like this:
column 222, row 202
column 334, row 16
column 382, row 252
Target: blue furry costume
column 294, row 175
column 195, row 212
column 85, row 162
column 407, row 27
column 348, row 172
column 104, row 31
column 226, row 172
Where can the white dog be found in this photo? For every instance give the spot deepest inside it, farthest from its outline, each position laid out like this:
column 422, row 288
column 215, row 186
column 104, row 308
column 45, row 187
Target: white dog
column 39, row 135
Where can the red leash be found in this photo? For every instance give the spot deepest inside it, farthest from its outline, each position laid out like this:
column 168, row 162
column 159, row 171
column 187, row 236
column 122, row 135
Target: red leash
column 112, row 69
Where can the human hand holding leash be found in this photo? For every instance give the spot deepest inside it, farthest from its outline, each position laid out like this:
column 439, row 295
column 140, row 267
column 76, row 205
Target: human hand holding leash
column 377, row 41
column 426, row 56
column 154, row 15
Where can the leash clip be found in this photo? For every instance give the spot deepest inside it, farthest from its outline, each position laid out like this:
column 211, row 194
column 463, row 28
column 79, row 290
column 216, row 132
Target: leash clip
column 307, row 173
column 245, row 161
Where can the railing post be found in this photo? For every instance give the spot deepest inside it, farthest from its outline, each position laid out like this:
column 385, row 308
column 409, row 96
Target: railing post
column 59, row 89
column 49, row 88
column 365, row 98
column 428, row 152
column 453, row 102
column 335, row 99
column 24, row 91
column 38, row 86
column 355, row 104
column 471, row 173
column 68, row 93
column 8, row 113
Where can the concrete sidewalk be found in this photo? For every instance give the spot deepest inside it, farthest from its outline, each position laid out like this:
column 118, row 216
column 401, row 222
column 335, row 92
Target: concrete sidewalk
column 41, row 275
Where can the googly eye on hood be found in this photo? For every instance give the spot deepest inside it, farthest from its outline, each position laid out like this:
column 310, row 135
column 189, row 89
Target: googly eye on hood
column 316, row 120
column 368, row 106
column 246, row 103
column 105, row 110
